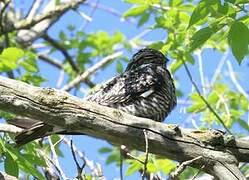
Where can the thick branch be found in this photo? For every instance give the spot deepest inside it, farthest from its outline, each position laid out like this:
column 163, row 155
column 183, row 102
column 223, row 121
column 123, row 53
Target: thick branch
column 59, row 108
column 31, row 29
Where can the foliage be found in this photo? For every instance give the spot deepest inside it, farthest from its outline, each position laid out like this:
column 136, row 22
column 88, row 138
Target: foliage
column 189, row 28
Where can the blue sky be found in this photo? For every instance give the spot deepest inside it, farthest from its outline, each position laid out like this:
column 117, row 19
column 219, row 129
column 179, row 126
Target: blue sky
column 105, row 21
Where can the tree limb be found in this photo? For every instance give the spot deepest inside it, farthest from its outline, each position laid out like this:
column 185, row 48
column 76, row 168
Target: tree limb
column 32, row 28
column 220, row 153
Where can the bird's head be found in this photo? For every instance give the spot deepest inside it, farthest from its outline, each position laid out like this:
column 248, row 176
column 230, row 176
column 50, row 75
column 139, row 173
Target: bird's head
column 147, row 56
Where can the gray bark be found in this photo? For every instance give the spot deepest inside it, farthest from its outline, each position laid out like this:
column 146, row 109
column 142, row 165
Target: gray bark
column 220, row 154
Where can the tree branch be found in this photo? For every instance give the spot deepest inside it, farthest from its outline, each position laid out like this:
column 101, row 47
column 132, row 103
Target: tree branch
column 32, row 28
column 91, row 70
column 220, row 153
column 62, row 49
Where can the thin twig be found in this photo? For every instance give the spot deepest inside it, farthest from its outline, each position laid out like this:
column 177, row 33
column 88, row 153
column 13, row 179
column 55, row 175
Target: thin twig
column 111, row 11
column 33, row 9
column 79, row 168
column 10, row 128
column 219, row 67
column 62, row 49
column 55, row 159
column 121, row 166
column 90, row 15
column 146, row 154
column 203, row 99
column 199, row 57
column 91, row 70
column 26, row 24
column 89, row 164
column 123, row 149
column 234, row 80
column 50, row 60
column 198, row 172
column 182, row 167
column 48, row 160
column 6, row 4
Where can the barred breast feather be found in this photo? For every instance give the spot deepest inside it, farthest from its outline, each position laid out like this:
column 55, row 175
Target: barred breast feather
column 147, row 91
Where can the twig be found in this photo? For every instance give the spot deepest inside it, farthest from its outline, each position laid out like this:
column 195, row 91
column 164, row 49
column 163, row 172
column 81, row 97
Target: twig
column 182, row 167
column 59, row 65
column 60, row 79
column 100, row 172
column 49, row 160
column 219, row 67
column 90, row 15
column 33, row 9
column 124, row 149
column 204, row 100
column 198, row 172
column 199, row 57
column 91, row 70
column 50, row 60
column 79, row 168
column 90, row 164
column 111, row 11
column 10, row 128
column 234, row 80
column 26, row 24
column 6, row 4
column 146, row 154
column 121, row 166
column 55, row 159
column 63, row 50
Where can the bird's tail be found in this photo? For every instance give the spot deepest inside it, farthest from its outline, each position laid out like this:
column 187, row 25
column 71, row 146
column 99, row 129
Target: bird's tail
column 34, row 129
column 39, row 130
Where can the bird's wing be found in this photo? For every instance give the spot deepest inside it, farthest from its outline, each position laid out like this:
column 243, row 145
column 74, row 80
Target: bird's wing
column 127, row 86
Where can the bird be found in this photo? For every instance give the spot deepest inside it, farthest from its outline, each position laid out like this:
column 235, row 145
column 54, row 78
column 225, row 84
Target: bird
column 145, row 89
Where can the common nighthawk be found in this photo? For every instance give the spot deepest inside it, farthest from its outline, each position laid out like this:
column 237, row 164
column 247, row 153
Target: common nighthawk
column 144, row 89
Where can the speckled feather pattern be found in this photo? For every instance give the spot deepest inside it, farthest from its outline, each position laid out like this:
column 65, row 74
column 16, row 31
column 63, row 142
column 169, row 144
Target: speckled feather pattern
column 145, row 89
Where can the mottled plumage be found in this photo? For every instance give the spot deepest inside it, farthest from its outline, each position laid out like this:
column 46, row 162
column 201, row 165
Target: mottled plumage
column 144, row 89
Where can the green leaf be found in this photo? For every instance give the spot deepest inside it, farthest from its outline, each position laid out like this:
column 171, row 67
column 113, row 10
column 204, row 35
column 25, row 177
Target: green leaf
column 238, row 39
column 12, row 53
column 119, row 67
column 2, row 147
column 200, row 37
column 230, row 1
column 175, row 2
column 212, row 98
column 199, row 13
column 29, row 63
column 62, row 36
column 175, row 66
column 27, row 167
column 32, row 79
column 135, row 166
column 9, row 58
column 196, row 108
column 135, row 1
column 152, row 167
column 135, row 11
column 112, row 158
column 34, row 159
column 105, row 150
column 144, row 18
column 10, row 165
column 71, row 27
column 244, row 124
column 165, row 165
column 242, row 2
